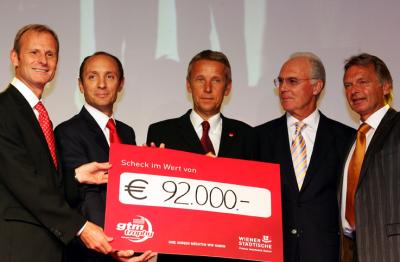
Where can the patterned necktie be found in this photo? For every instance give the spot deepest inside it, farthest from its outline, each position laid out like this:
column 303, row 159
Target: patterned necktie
column 47, row 128
column 354, row 172
column 205, row 139
column 299, row 154
column 114, row 138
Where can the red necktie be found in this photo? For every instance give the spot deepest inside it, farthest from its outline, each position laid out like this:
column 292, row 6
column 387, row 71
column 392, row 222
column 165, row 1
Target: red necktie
column 47, row 128
column 114, row 138
column 354, row 172
column 205, row 139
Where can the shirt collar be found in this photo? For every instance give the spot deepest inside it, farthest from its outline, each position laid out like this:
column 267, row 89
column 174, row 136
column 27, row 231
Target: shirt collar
column 26, row 92
column 311, row 121
column 196, row 120
column 98, row 116
column 375, row 119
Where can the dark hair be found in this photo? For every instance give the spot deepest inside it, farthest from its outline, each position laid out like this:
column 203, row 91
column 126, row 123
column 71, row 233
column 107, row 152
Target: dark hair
column 213, row 56
column 119, row 64
column 37, row 28
column 381, row 70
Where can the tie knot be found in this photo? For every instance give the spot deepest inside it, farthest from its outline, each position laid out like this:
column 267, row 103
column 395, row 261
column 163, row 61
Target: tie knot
column 299, row 126
column 364, row 128
column 206, row 126
column 40, row 108
column 110, row 124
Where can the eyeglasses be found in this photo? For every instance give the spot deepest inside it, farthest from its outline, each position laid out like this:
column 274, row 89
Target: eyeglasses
column 290, row 81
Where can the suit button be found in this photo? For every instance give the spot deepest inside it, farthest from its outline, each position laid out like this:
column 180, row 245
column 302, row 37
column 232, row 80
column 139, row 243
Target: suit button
column 293, row 231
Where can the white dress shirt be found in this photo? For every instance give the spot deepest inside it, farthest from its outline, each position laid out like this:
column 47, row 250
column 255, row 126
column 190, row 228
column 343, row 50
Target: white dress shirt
column 373, row 121
column 28, row 94
column 101, row 119
column 215, row 128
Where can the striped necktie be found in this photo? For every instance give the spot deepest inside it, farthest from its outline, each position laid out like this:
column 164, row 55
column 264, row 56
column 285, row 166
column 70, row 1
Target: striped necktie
column 299, row 154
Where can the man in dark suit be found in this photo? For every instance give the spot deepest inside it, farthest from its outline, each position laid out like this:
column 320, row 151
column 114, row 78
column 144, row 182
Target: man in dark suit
column 35, row 220
column 370, row 188
column 85, row 138
column 209, row 81
column 309, row 147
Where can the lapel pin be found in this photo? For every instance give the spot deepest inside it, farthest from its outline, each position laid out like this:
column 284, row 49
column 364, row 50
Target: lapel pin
column 231, row 134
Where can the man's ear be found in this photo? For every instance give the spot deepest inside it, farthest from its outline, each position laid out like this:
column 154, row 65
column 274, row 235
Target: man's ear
column 14, row 58
column 121, row 85
column 80, row 85
column 228, row 89
column 188, row 86
column 317, row 88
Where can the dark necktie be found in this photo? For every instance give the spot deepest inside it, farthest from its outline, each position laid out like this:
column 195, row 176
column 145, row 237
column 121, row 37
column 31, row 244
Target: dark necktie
column 354, row 172
column 114, row 138
column 47, row 129
column 205, row 139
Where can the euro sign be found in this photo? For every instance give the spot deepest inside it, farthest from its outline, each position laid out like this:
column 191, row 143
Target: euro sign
column 131, row 188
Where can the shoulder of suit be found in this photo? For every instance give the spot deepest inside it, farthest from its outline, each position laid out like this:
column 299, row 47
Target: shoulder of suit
column 73, row 125
column 123, row 125
column 236, row 123
column 272, row 124
column 336, row 126
column 165, row 123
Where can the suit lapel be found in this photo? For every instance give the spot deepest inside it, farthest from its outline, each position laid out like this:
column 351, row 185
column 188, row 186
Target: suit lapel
column 284, row 155
column 228, row 136
column 29, row 116
column 323, row 142
column 377, row 140
column 94, row 129
column 187, row 132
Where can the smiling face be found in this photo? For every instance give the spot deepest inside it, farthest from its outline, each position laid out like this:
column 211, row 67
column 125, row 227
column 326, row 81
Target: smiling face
column 364, row 92
column 208, row 85
column 300, row 100
column 101, row 82
column 36, row 62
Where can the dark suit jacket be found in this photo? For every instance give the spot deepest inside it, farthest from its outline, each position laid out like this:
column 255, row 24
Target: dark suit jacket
column 310, row 216
column 377, row 200
column 35, row 219
column 237, row 141
column 80, row 140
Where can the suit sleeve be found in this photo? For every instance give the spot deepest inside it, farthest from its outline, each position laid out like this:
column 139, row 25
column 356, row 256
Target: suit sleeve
column 72, row 155
column 28, row 182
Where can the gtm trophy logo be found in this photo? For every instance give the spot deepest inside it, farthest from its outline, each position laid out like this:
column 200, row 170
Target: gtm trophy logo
column 139, row 230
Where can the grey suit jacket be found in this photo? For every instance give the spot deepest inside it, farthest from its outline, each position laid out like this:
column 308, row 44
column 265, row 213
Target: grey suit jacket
column 377, row 200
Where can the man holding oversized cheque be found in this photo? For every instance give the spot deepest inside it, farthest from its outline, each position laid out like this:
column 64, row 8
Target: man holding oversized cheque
column 189, row 204
column 204, row 130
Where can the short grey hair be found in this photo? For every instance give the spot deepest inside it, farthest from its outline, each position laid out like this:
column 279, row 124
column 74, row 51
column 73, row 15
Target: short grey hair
column 317, row 68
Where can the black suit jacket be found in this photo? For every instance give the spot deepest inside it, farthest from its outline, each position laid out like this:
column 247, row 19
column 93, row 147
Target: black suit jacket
column 80, row 140
column 35, row 219
column 310, row 216
column 377, row 201
column 237, row 141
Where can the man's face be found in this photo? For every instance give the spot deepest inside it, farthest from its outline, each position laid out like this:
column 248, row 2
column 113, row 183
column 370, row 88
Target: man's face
column 101, row 83
column 297, row 93
column 208, row 86
column 36, row 63
column 364, row 92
